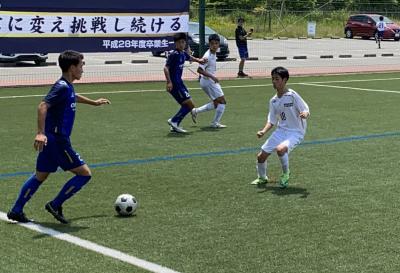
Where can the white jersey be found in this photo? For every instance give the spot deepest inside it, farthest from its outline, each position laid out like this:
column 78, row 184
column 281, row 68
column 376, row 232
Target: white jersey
column 284, row 112
column 211, row 65
column 381, row 25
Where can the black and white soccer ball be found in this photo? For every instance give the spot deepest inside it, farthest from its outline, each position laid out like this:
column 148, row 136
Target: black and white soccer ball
column 126, row 204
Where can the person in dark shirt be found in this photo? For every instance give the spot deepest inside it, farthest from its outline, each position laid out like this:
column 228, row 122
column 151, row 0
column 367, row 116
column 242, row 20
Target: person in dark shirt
column 56, row 115
column 241, row 43
column 173, row 71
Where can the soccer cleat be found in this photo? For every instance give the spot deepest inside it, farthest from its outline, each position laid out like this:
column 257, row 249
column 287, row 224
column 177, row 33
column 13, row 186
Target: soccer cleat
column 242, row 74
column 19, row 217
column 175, row 126
column 260, row 181
column 217, row 125
column 57, row 213
column 194, row 115
column 284, row 180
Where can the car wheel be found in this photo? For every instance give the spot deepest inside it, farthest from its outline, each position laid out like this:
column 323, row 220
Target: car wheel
column 397, row 39
column 348, row 33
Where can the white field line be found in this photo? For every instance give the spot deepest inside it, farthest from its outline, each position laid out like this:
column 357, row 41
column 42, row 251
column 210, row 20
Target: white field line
column 198, row 88
column 118, row 255
column 353, row 88
column 345, row 81
column 134, row 91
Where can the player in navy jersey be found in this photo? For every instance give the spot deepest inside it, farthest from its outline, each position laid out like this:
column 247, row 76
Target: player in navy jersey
column 241, row 36
column 56, row 114
column 173, row 73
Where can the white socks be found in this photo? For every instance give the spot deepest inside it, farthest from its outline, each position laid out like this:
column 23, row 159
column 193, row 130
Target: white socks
column 204, row 108
column 262, row 167
column 262, row 170
column 285, row 162
column 218, row 113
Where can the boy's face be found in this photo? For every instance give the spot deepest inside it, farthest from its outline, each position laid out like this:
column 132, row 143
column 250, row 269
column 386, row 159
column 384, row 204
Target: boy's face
column 278, row 82
column 240, row 23
column 180, row 44
column 214, row 45
column 77, row 70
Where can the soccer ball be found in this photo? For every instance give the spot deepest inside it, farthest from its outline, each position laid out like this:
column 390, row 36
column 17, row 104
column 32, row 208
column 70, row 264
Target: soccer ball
column 126, row 204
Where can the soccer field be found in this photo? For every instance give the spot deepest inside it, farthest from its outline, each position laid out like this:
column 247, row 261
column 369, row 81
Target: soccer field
column 197, row 212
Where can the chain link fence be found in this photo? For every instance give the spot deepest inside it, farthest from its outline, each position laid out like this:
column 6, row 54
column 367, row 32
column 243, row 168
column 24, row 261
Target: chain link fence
column 280, row 38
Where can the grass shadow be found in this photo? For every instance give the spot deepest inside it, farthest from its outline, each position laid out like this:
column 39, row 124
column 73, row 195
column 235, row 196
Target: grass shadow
column 291, row 190
column 209, row 129
column 58, row 227
column 88, row 217
column 64, row 228
column 178, row 135
column 125, row 217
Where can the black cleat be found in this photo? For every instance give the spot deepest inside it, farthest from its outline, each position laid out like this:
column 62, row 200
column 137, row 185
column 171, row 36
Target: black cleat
column 57, row 213
column 241, row 74
column 19, row 217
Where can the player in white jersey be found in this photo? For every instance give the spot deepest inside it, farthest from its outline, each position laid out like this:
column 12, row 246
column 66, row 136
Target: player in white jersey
column 288, row 112
column 210, row 84
column 380, row 27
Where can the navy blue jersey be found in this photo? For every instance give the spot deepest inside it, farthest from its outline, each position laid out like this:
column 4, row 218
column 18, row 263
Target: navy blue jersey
column 61, row 113
column 175, row 64
column 240, row 31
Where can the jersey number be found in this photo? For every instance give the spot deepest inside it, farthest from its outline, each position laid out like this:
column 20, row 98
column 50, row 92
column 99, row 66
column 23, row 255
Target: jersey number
column 283, row 116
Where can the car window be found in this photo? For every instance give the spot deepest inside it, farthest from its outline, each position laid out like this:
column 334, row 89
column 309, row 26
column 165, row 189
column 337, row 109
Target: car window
column 366, row 19
column 357, row 18
column 385, row 19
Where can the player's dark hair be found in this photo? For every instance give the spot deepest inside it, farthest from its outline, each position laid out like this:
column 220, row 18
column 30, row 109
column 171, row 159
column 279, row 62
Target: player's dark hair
column 69, row 58
column 281, row 71
column 381, row 18
column 240, row 19
column 214, row 37
column 180, row 36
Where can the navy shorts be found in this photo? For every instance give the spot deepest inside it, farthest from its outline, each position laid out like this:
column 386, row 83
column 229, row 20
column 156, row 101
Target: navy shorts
column 380, row 34
column 180, row 92
column 58, row 153
column 243, row 52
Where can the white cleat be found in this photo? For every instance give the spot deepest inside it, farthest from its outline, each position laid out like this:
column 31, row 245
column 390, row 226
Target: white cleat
column 194, row 115
column 175, row 127
column 218, row 125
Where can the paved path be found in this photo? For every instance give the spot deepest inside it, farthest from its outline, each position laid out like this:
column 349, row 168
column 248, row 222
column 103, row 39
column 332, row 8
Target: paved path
column 268, row 52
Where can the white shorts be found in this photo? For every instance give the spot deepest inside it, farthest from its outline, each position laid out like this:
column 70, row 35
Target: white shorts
column 279, row 136
column 212, row 89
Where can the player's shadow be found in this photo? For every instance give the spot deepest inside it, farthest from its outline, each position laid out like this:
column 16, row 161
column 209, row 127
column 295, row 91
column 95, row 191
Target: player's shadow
column 209, row 129
column 178, row 135
column 62, row 228
column 88, row 217
column 130, row 217
column 291, row 190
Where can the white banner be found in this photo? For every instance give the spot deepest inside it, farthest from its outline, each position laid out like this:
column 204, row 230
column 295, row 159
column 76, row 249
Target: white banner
column 47, row 24
column 311, row 28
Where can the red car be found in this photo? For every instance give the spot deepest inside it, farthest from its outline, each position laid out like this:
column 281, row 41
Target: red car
column 364, row 25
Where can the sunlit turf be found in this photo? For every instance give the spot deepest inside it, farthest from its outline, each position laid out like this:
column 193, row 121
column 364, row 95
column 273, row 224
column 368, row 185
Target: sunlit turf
column 197, row 211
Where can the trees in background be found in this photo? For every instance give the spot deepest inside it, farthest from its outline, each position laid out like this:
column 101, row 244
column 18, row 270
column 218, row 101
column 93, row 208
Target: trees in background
column 301, row 5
